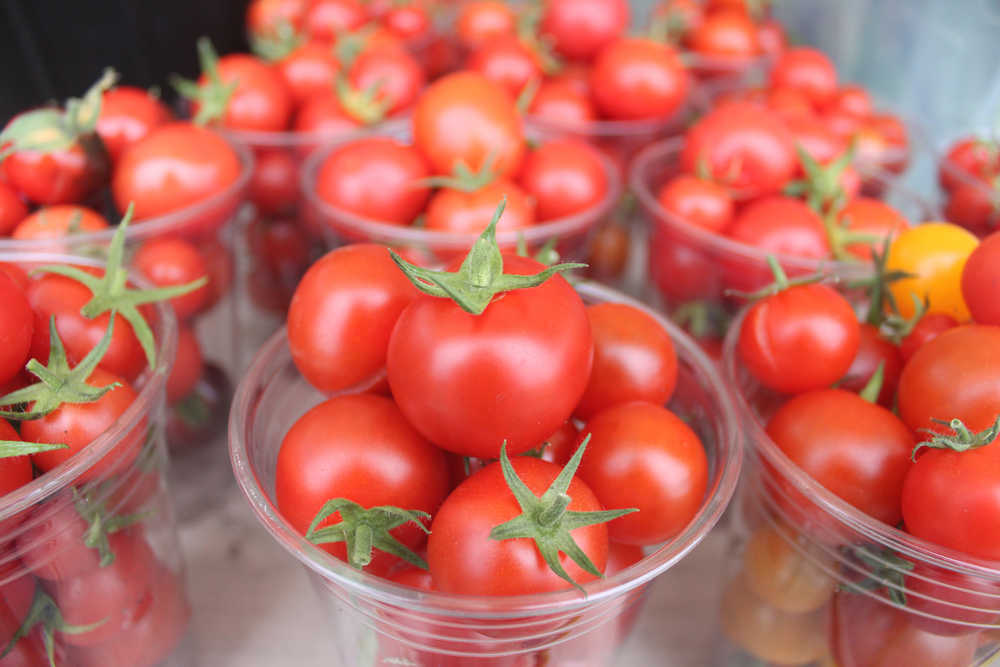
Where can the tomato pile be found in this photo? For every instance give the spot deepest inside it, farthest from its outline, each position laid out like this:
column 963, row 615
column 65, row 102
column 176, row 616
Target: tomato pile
column 969, row 174
column 81, row 581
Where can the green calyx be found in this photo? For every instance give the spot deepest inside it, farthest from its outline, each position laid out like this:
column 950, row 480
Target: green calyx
column 961, row 439
column 780, row 284
column 279, row 45
column 480, row 276
column 362, row 105
column 213, row 97
column 547, row 520
column 821, row 186
column 350, row 45
column 870, row 392
column 50, row 130
column 547, row 254
column 885, row 568
column 464, row 179
column 111, row 292
column 57, row 382
column 541, row 46
column 101, row 524
column 882, row 307
column 44, row 612
column 364, row 530
column 669, row 27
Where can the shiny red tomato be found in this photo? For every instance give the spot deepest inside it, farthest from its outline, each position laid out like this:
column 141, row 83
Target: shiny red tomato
column 851, row 99
column 53, row 546
column 481, row 20
column 579, row 29
column 638, row 79
column 326, row 114
column 375, row 178
column 462, row 557
column 873, row 217
column 927, row 328
column 561, row 103
column 408, row 22
column 873, row 350
column 810, row 71
column 12, row 209
column 783, row 226
column 263, row 17
column 981, row 281
column 358, row 447
column 515, row 372
column 342, row 314
column 698, row 202
column 394, row 75
column 187, row 367
column 173, row 167
column 634, row 360
column 968, row 158
column 565, row 177
column 63, row 176
column 260, row 100
column 642, row 455
column 465, row 118
column 127, row 115
column 463, row 212
column 326, row 20
column 17, row 327
column 166, row 262
column 815, row 137
column 745, row 148
column 973, row 205
column 858, row 450
column 274, row 184
column 508, row 61
column 308, row 71
column 727, row 34
column 61, row 220
column 802, row 338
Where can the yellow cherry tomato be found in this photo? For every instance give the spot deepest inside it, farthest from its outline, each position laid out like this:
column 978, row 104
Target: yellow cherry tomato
column 935, row 253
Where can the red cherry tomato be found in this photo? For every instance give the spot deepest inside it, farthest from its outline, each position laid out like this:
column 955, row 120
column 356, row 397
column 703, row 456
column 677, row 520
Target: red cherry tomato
column 12, row 209
column 408, row 22
column 325, row 114
column 15, row 471
column 864, row 215
column 561, row 103
column 508, row 62
column 187, row 367
column 64, row 176
column 326, row 20
column 781, row 225
column 579, row 29
column 637, row 79
column 981, row 281
column 308, row 71
column 17, row 327
column 52, row 545
column 973, row 206
column 393, row 73
column 727, row 34
column 872, row 351
column 851, row 99
column 698, row 202
column 808, row 70
column 260, row 100
column 274, row 184
column 166, row 262
column 481, row 20
column 969, row 157
column 565, row 177
column 927, row 328
column 470, row 212
column 56, row 222
column 127, row 115
column 264, row 16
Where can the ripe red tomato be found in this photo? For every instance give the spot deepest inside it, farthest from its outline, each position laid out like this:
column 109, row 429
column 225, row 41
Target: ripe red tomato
column 559, row 102
column 481, row 20
column 969, row 157
column 325, row 20
column 514, row 373
column 642, row 455
column 12, row 209
column 981, row 281
column 393, row 73
column 56, row 222
column 783, row 226
column 954, row 376
column 927, row 328
column 745, row 147
column 175, row 166
column 565, row 177
column 464, row 117
column 813, row 135
column 728, row 34
column 342, row 314
column 408, row 22
column 873, row 350
column 579, row 29
column 63, row 176
column 698, row 202
column 802, row 338
column 52, row 544
column 858, row 450
column 358, row 447
column 634, row 360
column 810, row 71
column 187, row 367
column 637, row 79
column 325, row 114
column 15, row 471
column 16, row 597
column 851, row 99
column 166, row 262
column 308, row 71
column 508, row 61
column 375, row 178
column 948, row 594
column 772, row 38
column 865, row 215
column 17, row 327
column 464, row 560
column 127, row 115
column 972, row 204
column 274, row 184
column 463, row 212
column 264, row 16
column 260, row 100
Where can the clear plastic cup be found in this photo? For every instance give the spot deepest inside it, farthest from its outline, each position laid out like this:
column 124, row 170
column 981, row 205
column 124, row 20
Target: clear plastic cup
column 373, row 621
column 812, row 580
column 690, row 269
column 134, row 603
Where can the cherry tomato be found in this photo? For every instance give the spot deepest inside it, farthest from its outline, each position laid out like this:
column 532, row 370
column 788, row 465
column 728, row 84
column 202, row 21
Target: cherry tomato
column 781, row 225
column 325, row 20
column 969, row 157
column 17, row 326
column 981, row 281
column 12, row 209
column 342, row 314
column 864, row 215
column 464, row 117
column 726, row 34
column 565, row 177
column 469, row 212
column 52, row 545
column 308, row 71
column 791, row 103
column 772, row 38
column 62, row 176
column 274, row 184
column 560, row 102
column 636, row 79
column 579, row 29
column 481, row 20
column 791, row 577
column 745, row 147
column 802, row 338
column 810, row 71
column 872, row 351
column 642, row 455
column 973, row 205
column 851, row 99
column 507, row 61
column 951, row 600
column 260, row 100
column 462, row 557
column 927, row 328
column 408, row 22
column 325, row 114
column 127, row 115
column 358, row 447
column 514, row 373
column 393, row 73
column 175, row 166
column 698, row 202
column 375, row 178
column 264, row 16
column 634, row 360
column 935, row 253
column 187, row 367
column 166, row 262
column 55, row 222
column 858, row 450
column 815, row 137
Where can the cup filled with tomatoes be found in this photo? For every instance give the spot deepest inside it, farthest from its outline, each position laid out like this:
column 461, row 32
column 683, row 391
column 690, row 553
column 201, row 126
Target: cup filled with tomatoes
column 968, row 172
column 497, row 482
column 868, row 512
column 71, row 172
column 737, row 189
column 90, row 565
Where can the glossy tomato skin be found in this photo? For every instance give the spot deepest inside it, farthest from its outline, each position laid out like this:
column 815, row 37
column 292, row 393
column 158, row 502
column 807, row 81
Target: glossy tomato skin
column 167, row 262
column 274, row 184
column 729, row 34
column 561, row 103
column 514, row 373
column 973, row 205
column 637, row 79
column 464, row 117
column 565, row 177
column 971, row 156
column 481, row 20
column 927, row 328
column 53, row 548
column 781, row 225
column 581, row 28
column 260, row 101
column 54, row 222
column 874, row 350
column 12, row 208
column 324, row 20
column 392, row 72
column 375, row 178
column 325, row 114
column 642, row 455
column 173, row 167
column 981, row 281
column 858, row 450
column 361, row 448
column 745, row 147
column 342, row 314
column 935, row 253
column 17, row 327
column 810, row 71
column 308, row 71
column 470, row 212
column 462, row 557
column 802, row 338
column 697, row 201
column 866, row 215
column 127, row 115
column 507, row 61
column 62, row 176
column 264, row 16
column 634, row 360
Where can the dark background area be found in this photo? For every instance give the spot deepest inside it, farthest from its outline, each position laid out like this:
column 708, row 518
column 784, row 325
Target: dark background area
column 53, row 49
